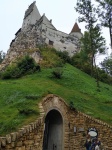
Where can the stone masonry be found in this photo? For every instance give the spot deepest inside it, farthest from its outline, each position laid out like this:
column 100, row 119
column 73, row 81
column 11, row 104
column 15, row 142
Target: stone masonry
column 31, row 137
column 37, row 31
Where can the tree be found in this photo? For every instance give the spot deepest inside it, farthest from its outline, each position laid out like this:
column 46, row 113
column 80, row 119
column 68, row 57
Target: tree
column 86, row 47
column 2, row 56
column 105, row 14
column 96, row 43
column 87, row 12
column 107, row 65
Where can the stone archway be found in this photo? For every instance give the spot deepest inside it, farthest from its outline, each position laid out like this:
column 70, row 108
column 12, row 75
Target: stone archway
column 53, row 133
column 52, row 104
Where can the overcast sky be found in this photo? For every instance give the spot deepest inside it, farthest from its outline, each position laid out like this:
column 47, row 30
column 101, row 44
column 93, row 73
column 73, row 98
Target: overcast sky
column 61, row 12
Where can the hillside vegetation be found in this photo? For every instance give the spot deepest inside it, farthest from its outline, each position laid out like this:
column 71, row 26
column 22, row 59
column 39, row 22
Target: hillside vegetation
column 19, row 98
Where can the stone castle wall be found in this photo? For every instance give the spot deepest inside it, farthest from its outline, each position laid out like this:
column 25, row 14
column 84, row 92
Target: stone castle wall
column 75, row 126
column 33, row 37
column 25, row 43
column 62, row 41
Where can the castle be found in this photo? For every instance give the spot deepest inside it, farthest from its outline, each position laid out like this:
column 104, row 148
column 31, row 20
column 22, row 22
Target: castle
column 37, row 30
column 59, row 126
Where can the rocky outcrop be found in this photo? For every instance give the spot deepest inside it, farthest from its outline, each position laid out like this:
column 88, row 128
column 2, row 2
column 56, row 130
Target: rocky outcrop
column 38, row 30
column 25, row 43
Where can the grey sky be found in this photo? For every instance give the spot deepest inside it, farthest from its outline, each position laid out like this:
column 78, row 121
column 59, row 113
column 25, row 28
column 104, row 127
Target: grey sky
column 61, row 12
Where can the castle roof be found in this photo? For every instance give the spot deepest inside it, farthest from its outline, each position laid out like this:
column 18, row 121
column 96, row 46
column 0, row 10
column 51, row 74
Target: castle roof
column 30, row 9
column 76, row 28
column 44, row 21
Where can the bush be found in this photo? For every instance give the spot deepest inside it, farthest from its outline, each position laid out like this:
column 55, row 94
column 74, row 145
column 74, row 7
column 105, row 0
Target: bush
column 27, row 111
column 11, row 72
column 57, row 73
column 64, row 55
column 25, row 66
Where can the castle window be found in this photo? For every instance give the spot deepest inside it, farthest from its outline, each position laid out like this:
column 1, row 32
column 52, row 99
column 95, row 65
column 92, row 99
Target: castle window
column 62, row 41
column 51, row 42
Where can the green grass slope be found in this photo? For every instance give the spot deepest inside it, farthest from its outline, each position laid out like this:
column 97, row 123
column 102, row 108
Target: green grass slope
column 19, row 98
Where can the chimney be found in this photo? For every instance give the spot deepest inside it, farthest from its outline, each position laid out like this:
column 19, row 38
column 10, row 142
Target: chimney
column 50, row 20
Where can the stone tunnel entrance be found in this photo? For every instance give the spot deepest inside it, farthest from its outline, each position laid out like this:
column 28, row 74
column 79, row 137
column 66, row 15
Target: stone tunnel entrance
column 53, row 133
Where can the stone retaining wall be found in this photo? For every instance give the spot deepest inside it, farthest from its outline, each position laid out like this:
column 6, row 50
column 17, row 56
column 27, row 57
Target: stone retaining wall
column 27, row 138
column 75, row 126
column 81, row 122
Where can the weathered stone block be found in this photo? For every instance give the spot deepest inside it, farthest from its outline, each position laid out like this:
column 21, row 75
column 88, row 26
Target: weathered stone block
column 19, row 144
column 3, row 141
column 8, row 138
column 13, row 136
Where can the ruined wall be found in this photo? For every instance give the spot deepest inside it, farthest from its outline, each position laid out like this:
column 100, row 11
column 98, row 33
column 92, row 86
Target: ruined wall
column 31, row 137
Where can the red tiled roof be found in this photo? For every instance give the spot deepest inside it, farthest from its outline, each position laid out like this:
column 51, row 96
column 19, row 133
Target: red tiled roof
column 76, row 28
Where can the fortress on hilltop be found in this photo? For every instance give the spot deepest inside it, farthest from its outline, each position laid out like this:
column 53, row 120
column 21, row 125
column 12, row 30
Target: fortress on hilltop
column 58, row 126
column 38, row 30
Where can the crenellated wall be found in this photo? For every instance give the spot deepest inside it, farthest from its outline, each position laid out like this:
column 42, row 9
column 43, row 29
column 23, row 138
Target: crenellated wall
column 75, row 126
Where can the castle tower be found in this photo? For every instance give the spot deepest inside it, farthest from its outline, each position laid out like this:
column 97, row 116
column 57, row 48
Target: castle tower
column 76, row 31
column 31, row 16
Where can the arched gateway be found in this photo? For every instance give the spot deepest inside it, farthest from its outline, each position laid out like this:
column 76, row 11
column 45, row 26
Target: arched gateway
column 55, row 112
column 53, row 133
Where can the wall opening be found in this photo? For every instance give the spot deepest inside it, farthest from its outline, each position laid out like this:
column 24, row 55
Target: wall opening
column 51, row 42
column 53, row 133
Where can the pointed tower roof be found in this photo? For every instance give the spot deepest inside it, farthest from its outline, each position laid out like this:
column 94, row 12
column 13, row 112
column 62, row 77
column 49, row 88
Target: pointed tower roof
column 76, row 28
column 30, row 9
column 44, row 21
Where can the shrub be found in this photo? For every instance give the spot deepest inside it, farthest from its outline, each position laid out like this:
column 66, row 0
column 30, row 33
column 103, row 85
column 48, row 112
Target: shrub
column 11, row 72
column 71, row 105
column 27, row 111
column 64, row 55
column 57, row 73
column 24, row 66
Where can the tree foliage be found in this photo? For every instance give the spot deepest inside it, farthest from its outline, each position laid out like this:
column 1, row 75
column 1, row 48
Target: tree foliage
column 88, row 15
column 96, row 43
column 105, row 14
column 2, row 56
column 107, row 65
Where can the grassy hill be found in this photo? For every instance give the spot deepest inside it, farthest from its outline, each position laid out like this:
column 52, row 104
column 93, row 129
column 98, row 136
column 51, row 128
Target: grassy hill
column 19, row 98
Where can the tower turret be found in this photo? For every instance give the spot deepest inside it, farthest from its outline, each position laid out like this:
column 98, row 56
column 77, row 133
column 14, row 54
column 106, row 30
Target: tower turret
column 76, row 31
